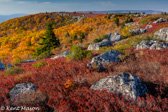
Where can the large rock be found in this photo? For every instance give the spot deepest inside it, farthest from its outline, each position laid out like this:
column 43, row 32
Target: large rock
column 2, row 66
column 114, row 37
column 149, row 26
column 105, row 58
column 29, row 61
column 160, row 20
column 22, row 88
column 138, row 31
column 152, row 45
column 162, row 34
column 111, row 38
column 123, row 83
column 9, row 66
column 63, row 55
column 27, row 94
column 96, row 46
column 131, row 24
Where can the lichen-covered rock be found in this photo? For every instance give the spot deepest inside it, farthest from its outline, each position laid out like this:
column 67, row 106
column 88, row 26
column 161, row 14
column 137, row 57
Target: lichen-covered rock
column 22, row 88
column 152, row 45
column 9, row 66
column 29, row 61
column 105, row 58
column 111, row 38
column 162, row 34
column 114, row 37
column 96, row 46
column 63, row 55
column 2, row 66
column 138, row 31
column 123, row 83
column 131, row 24
column 160, row 20
column 149, row 26
column 27, row 94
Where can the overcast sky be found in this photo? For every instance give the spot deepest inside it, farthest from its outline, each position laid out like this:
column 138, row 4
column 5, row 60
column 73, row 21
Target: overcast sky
column 37, row 6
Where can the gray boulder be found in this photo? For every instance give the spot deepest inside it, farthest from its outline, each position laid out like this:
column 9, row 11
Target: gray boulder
column 2, row 66
column 131, row 24
column 114, row 37
column 22, row 88
column 9, row 66
column 124, row 84
column 138, row 31
column 162, row 34
column 29, row 61
column 96, row 46
column 105, row 58
column 149, row 26
column 27, row 94
column 111, row 38
column 63, row 55
column 160, row 20
column 152, row 45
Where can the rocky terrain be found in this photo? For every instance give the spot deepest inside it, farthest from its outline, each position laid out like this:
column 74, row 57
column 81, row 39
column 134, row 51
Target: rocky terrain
column 102, row 62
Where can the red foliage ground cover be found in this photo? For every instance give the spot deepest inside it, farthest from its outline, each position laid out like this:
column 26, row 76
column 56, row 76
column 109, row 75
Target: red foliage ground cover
column 156, row 27
column 150, row 66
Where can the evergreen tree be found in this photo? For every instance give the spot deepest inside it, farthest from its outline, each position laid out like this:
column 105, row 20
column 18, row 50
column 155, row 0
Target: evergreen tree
column 49, row 41
column 116, row 21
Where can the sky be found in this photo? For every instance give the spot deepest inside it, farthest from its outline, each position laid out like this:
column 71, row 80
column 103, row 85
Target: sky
column 37, row 6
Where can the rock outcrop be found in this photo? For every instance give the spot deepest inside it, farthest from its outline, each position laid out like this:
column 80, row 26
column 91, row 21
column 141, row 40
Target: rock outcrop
column 111, row 38
column 2, row 66
column 63, row 55
column 131, row 24
column 138, row 31
column 27, row 94
column 29, row 61
column 22, row 88
column 114, row 37
column 149, row 26
column 124, row 84
column 105, row 58
column 9, row 66
column 96, row 46
column 162, row 34
column 152, row 45
column 160, row 20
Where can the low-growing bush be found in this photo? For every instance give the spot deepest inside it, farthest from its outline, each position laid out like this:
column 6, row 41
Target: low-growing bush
column 39, row 64
column 44, row 55
column 78, row 53
column 105, row 49
column 18, row 61
column 100, row 38
column 143, row 21
column 125, row 32
column 13, row 70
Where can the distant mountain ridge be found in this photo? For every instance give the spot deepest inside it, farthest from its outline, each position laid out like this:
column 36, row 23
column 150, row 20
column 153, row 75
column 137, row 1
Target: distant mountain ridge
column 7, row 17
column 126, row 11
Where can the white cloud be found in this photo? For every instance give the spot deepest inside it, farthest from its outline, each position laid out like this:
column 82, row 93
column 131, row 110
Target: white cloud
column 6, row 0
column 22, row 2
column 106, row 3
column 46, row 2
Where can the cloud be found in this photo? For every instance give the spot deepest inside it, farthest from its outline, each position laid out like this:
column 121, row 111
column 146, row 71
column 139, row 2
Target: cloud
column 46, row 2
column 106, row 3
column 23, row 2
column 6, row 0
